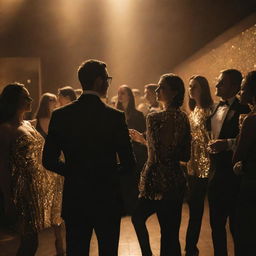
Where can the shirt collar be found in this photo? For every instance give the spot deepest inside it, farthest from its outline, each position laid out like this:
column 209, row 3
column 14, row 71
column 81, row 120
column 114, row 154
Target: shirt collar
column 91, row 93
column 230, row 100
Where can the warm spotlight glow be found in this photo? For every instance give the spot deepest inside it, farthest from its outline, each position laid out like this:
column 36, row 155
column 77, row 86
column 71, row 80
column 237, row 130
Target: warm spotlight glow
column 9, row 8
column 121, row 44
column 120, row 7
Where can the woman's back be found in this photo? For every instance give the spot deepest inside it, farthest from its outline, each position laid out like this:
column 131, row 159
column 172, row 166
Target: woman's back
column 168, row 137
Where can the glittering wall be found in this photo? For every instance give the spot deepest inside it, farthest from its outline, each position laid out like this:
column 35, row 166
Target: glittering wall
column 236, row 48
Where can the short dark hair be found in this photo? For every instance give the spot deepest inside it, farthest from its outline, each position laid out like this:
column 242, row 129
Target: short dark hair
column 89, row 71
column 205, row 97
column 67, row 91
column 234, row 75
column 151, row 87
column 44, row 108
column 10, row 100
column 176, row 84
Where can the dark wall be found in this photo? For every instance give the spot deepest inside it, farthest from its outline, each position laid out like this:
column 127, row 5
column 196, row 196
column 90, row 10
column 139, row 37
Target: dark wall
column 139, row 41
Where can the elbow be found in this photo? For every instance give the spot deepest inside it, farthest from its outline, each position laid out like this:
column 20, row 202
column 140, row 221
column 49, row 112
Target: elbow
column 47, row 165
column 185, row 158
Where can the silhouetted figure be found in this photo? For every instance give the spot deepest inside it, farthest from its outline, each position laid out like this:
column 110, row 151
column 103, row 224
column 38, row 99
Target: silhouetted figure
column 47, row 104
column 135, row 120
column 244, row 158
column 91, row 135
column 163, row 181
column 200, row 104
column 152, row 104
column 66, row 95
column 137, row 96
column 224, row 184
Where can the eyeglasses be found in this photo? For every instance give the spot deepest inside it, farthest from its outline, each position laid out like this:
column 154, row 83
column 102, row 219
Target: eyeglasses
column 160, row 86
column 109, row 79
column 28, row 98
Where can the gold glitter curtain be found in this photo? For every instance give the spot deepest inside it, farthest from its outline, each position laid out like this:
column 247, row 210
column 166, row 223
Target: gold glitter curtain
column 236, row 48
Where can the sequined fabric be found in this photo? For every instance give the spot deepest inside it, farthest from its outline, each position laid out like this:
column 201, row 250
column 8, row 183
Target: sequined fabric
column 37, row 193
column 168, row 137
column 199, row 164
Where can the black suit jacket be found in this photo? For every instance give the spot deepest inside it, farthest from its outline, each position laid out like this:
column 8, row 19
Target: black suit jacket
column 91, row 135
column 223, row 178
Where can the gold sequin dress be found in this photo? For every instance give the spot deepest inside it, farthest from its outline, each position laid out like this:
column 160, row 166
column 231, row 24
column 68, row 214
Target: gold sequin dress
column 199, row 164
column 36, row 193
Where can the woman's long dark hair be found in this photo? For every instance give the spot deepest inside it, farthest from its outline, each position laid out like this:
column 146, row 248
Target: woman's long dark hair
column 44, row 105
column 131, row 104
column 205, row 99
column 9, row 101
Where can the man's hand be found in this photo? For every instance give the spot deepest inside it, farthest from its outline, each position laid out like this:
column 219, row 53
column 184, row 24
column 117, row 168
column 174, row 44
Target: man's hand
column 137, row 136
column 216, row 146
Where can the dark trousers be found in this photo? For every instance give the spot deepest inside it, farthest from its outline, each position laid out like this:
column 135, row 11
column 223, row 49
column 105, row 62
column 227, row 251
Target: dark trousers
column 105, row 223
column 169, row 217
column 196, row 197
column 246, row 213
column 222, row 206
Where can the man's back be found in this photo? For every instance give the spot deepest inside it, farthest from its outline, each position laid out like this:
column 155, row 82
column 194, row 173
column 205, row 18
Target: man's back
column 90, row 134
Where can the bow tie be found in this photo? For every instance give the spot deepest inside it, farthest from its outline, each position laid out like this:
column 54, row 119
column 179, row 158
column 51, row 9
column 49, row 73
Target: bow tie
column 223, row 103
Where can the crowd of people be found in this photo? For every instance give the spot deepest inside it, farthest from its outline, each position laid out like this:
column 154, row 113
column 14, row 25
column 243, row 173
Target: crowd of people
column 88, row 163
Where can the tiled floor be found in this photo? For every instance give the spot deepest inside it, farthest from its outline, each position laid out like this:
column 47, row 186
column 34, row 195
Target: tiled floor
column 128, row 245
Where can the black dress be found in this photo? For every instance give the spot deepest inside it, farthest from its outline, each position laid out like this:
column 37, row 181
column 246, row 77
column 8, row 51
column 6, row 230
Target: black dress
column 136, row 120
column 129, row 185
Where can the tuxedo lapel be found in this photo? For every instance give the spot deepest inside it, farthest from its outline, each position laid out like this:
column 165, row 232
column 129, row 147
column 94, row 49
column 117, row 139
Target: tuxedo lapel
column 208, row 120
column 230, row 114
column 230, row 128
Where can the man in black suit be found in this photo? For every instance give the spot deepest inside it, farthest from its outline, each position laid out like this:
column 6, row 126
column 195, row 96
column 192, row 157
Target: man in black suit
column 91, row 135
column 224, row 184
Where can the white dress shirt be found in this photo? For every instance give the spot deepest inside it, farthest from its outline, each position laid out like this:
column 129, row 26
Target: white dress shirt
column 218, row 119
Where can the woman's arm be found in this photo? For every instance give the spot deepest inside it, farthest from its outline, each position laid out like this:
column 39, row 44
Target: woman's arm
column 186, row 142
column 137, row 136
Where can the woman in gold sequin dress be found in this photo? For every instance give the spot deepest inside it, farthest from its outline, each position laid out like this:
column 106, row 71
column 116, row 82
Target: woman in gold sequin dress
column 162, row 182
column 200, row 104
column 135, row 120
column 23, row 179
column 53, row 202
